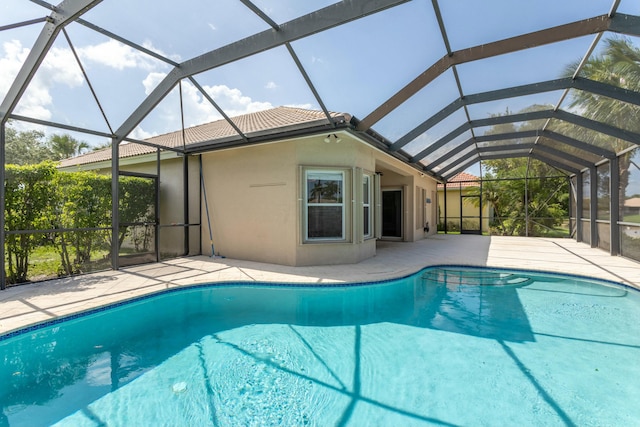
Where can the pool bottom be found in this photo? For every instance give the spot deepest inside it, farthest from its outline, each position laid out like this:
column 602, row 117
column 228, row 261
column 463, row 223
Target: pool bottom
column 548, row 352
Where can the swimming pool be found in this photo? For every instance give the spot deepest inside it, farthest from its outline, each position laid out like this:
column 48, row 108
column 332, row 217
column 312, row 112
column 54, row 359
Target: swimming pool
column 447, row 346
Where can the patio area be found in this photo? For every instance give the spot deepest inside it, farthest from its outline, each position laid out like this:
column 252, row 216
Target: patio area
column 25, row 305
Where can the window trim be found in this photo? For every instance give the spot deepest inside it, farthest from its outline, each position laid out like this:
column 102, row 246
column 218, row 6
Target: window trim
column 343, row 204
column 368, row 177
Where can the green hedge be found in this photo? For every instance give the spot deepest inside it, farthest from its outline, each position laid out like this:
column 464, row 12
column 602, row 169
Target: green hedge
column 39, row 197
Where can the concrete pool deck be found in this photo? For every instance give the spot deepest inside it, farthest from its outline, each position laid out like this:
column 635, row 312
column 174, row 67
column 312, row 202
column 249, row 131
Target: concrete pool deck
column 29, row 304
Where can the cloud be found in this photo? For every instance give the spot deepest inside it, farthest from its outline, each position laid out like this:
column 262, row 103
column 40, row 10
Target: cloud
column 58, row 68
column 116, row 55
column 271, row 85
column 233, row 102
column 151, row 81
column 197, row 108
column 213, row 27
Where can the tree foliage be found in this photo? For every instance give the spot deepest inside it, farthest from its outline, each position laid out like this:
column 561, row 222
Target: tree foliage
column 32, row 147
column 65, row 146
column 522, row 205
column 77, row 205
column 25, row 147
column 28, row 200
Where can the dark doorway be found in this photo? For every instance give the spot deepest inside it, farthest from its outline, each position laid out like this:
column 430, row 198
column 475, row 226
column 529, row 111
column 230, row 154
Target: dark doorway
column 392, row 214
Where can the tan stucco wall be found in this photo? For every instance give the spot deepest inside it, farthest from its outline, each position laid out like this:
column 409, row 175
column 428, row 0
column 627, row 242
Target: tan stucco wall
column 255, row 200
column 468, row 210
column 397, row 175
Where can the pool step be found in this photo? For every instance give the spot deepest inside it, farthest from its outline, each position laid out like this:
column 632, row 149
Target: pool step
column 475, row 277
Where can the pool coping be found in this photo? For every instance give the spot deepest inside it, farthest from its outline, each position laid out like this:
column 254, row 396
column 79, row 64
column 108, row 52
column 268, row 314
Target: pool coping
column 29, row 305
column 108, row 306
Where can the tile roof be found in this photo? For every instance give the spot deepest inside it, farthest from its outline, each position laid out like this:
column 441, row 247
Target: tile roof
column 462, row 179
column 274, row 120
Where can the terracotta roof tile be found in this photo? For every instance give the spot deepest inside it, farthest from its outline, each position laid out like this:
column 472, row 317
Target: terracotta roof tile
column 462, row 179
column 274, row 119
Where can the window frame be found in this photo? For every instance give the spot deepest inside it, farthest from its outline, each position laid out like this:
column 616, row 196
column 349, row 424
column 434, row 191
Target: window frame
column 368, row 216
column 342, row 204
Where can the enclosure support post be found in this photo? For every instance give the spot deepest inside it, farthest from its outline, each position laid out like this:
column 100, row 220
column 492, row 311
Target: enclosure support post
column 614, row 205
column 571, row 191
column 115, row 202
column 3, row 273
column 579, row 205
column 460, row 201
column 444, row 184
column 157, row 180
column 593, row 205
column 185, row 181
column 200, row 206
column 526, row 200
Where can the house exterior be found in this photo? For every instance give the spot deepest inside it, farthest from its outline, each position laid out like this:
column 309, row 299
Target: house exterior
column 296, row 192
column 464, row 212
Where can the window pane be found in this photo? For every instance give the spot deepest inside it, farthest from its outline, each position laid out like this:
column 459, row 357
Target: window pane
column 324, row 187
column 365, row 190
column 366, row 223
column 366, row 211
column 324, row 222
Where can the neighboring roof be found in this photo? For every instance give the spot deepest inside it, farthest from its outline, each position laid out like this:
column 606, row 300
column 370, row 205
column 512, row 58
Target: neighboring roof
column 273, row 122
column 462, row 179
column 632, row 203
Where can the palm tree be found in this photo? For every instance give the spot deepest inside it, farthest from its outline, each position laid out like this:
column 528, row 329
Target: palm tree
column 65, row 146
column 618, row 65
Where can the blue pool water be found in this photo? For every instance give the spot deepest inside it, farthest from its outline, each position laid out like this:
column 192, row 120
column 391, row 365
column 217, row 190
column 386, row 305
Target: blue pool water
column 448, row 346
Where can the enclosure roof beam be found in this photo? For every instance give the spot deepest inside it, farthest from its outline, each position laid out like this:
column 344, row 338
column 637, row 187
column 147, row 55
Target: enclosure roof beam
column 555, row 163
column 562, row 154
column 494, row 95
column 462, row 159
column 584, row 84
column 619, row 23
column 535, row 115
column 312, row 23
column 507, row 147
column 451, row 153
column 608, row 90
column 462, row 167
column 597, row 126
column 490, row 121
column 63, row 14
column 523, row 134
